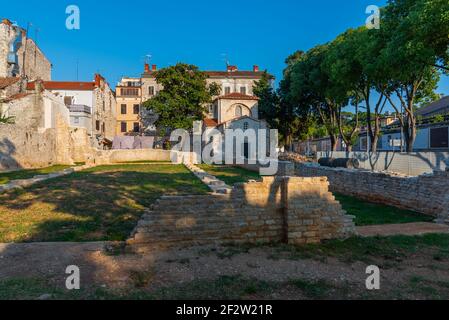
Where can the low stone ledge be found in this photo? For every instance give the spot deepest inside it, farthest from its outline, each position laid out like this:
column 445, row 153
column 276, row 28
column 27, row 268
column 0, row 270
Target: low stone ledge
column 23, row 183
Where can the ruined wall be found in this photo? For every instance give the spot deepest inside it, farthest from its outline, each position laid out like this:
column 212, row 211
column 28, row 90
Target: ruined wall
column 80, row 145
column 41, row 134
column 297, row 210
column 106, row 157
column 35, row 65
column 30, row 59
column 428, row 194
column 22, row 144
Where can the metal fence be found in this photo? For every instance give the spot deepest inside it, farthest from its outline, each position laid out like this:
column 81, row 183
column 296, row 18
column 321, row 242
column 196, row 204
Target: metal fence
column 413, row 164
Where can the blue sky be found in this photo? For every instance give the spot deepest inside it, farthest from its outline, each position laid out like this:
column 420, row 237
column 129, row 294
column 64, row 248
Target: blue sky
column 115, row 36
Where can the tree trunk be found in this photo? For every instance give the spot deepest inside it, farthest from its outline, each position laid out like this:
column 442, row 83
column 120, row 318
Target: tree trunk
column 333, row 142
column 411, row 134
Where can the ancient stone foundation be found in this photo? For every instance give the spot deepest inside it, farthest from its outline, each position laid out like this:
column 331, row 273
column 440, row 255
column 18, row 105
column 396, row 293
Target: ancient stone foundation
column 428, row 194
column 281, row 209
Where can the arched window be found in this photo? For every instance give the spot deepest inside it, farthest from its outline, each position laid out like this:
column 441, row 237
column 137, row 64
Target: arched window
column 238, row 111
column 246, row 126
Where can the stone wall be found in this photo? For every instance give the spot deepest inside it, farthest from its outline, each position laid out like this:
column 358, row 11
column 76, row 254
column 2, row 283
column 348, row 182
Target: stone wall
column 283, row 209
column 33, row 63
column 105, row 157
column 40, row 135
column 428, row 194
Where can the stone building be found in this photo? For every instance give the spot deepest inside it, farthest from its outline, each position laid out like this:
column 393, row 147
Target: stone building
column 92, row 106
column 20, row 56
column 40, row 134
column 236, row 102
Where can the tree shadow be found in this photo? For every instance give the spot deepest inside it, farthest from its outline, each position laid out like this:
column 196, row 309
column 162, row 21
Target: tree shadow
column 7, row 152
column 90, row 206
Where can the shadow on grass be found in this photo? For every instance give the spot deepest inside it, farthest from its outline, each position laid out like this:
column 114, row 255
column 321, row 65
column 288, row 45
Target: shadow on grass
column 103, row 203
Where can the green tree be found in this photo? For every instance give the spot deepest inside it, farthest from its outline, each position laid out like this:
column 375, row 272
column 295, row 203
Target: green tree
column 184, row 97
column 269, row 108
column 409, row 67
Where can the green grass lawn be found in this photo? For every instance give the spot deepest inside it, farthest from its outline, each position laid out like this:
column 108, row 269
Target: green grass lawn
column 368, row 213
column 230, row 175
column 6, row 177
column 102, row 203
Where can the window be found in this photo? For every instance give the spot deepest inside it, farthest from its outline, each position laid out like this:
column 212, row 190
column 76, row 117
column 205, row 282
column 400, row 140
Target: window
column 77, row 120
column 97, row 125
column 245, row 126
column 129, row 92
column 136, row 109
column 104, row 105
column 227, row 90
column 103, row 128
column 68, row 101
column 151, row 91
column 238, row 111
column 136, row 127
column 123, row 107
column 439, row 138
column 123, row 127
column 243, row 90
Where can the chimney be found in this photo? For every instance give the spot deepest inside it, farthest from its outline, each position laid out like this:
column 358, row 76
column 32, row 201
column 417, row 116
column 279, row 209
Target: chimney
column 147, row 68
column 154, row 67
column 256, row 68
column 7, row 22
column 232, row 68
column 98, row 80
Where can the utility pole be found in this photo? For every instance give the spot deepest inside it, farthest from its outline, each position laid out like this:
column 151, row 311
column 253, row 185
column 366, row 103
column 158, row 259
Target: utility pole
column 35, row 47
column 77, row 69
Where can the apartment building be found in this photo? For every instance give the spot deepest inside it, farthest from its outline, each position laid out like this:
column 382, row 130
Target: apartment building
column 129, row 105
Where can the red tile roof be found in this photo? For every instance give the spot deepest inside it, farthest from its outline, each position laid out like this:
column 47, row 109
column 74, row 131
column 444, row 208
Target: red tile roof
column 210, row 123
column 62, row 85
column 234, row 74
column 238, row 96
column 6, row 82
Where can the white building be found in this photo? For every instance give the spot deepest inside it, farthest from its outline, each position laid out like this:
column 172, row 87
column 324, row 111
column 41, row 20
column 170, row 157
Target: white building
column 92, row 106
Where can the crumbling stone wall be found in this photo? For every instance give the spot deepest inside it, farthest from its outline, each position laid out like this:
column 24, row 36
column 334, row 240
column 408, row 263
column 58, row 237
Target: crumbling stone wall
column 428, row 194
column 22, row 144
column 31, row 60
column 288, row 209
column 40, row 135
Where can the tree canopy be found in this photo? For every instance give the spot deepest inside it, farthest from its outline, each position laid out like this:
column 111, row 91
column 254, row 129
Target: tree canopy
column 399, row 65
column 184, row 97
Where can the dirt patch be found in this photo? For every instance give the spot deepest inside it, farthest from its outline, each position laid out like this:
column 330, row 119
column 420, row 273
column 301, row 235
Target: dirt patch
column 260, row 272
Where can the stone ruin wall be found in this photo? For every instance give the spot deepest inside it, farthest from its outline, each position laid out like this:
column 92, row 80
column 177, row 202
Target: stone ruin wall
column 28, row 144
column 281, row 209
column 427, row 194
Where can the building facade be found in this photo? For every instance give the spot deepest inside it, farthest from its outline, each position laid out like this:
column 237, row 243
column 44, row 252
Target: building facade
column 129, row 105
column 92, row 106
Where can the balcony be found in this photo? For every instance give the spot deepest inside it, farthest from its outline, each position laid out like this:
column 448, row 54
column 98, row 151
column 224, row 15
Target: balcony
column 79, row 108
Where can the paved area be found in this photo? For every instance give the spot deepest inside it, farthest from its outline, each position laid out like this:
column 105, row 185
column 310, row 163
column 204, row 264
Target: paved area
column 407, row 229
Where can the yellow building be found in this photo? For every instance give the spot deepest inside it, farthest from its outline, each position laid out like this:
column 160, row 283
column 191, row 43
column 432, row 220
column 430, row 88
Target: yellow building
column 129, row 104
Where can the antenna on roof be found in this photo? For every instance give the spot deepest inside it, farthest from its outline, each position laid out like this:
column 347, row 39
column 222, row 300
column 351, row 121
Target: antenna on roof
column 77, row 69
column 148, row 58
column 226, row 59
